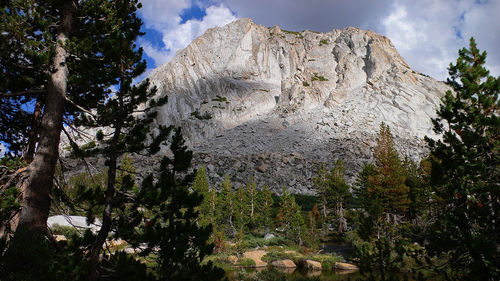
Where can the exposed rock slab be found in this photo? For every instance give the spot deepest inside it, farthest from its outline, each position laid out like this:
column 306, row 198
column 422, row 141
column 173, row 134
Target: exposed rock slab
column 284, row 264
column 312, row 265
column 256, row 256
column 282, row 102
column 345, row 266
column 275, row 104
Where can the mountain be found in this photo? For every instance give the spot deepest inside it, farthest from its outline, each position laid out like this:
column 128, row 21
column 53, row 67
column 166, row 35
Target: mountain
column 277, row 103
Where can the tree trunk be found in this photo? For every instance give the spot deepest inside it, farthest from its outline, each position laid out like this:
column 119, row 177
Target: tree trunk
column 212, row 208
column 96, row 249
column 110, row 194
column 251, row 208
column 324, row 208
column 37, row 188
column 342, row 220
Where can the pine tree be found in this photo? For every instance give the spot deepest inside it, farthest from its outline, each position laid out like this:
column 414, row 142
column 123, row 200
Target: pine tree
column 313, row 221
column 50, row 57
column 171, row 232
column 381, row 187
column 200, row 185
column 466, row 169
column 265, row 202
column 251, row 196
column 290, row 217
column 241, row 213
column 214, row 209
column 420, row 193
column 389, row 182
column 338, row 191
column 227, row 206
column 122, row 113
column 320, row 182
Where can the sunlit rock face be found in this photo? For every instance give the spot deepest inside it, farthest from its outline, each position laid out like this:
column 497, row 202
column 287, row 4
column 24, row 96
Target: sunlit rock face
column 275, row 103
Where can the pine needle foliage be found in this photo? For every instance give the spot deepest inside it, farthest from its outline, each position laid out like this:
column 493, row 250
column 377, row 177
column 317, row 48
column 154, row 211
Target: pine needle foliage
column 466, row 169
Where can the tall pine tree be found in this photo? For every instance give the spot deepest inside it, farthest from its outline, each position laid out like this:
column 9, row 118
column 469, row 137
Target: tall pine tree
column 51, row 57
column 466, row 169
column 200, row 185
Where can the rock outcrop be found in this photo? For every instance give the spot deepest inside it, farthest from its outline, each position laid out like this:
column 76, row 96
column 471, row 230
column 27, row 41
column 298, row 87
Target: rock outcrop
column 283, row 264
column 276, row 103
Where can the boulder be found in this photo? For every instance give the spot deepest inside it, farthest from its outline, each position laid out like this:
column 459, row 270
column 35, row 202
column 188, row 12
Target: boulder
column 284, row 264
column 60, row 238
column 129, row 250
column 256, row 256
column 269, row 236
column 345, row 266
column 79, row 222
column 232, row 259
column 312, row 265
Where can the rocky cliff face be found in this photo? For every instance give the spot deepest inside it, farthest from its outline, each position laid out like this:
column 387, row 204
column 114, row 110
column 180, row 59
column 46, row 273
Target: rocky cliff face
column 275, row 103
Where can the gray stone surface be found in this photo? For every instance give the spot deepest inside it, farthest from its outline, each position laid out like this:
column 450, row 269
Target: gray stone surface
column 283, row 102
column 79, row 222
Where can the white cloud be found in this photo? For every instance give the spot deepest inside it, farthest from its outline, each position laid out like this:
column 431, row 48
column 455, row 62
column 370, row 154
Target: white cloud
column 159, row 55
column 177, row 35
column 482, row 22
column 428, row 33
column 2, row 150
column 163, row 14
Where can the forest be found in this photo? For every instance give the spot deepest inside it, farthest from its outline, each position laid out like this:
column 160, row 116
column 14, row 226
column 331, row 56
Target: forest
column 71, row 66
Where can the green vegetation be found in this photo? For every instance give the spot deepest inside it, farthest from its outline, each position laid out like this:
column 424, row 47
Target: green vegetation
column 323, row 42
column 318, row 78
column 220, row 99
column 465, row 169
column 246, row 263
column 305, row 84
column 204, row 116
column 291, row 32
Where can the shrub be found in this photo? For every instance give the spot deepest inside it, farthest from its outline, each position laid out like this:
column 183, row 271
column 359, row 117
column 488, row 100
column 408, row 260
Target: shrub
column 220, row 99
column 246, row 263
column 318, row 78
column 204, row 116
column 67, row 231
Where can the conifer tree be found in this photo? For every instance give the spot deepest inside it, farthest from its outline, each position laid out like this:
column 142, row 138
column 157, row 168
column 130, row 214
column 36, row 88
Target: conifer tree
column 382, row 188
column 313, row 217
column 290, row 217
column 50, row 57
column 419, row 193
column 320, row 182
column 171, row 232
column 251, row 196
column 124, row 121
column 265, row 204
column 241, row 213
column 337, row 192
column 227, row 206
column 200, row 185
column 214, row 209
column 389, row 181
column 466, row 169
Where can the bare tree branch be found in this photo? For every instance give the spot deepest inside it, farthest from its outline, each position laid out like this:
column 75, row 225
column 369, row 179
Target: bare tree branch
column 21, row 93
column 80, row 108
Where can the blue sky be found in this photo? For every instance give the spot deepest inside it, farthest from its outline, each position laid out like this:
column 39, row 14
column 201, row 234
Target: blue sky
column 427, row 33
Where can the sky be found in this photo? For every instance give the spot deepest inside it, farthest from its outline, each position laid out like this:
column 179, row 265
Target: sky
column 427, row 33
